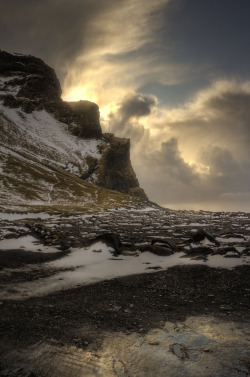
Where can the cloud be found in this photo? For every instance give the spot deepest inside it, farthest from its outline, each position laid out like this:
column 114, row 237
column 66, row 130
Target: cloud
column 125, row 121
column 66, row 23
column 225, row 172
column 198, row 153
column 218, row 115
column 136, row 105
column 69, row 33
column 106, row 50
column 168, row 179
column 102, row 49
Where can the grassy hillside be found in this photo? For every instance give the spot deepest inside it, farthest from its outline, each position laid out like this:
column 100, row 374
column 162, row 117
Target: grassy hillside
column 29, row 184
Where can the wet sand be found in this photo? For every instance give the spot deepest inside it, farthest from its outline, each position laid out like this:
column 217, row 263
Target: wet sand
column 82, row 317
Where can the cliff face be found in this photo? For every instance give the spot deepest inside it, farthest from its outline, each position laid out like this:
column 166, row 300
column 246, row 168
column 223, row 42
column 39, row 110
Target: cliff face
column 34, row 119
column 29, row 84
column 115, row 169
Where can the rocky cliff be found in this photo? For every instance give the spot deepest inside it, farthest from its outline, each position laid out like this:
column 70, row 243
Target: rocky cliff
column 35, row 122
column 29, row 84
column 115, row 170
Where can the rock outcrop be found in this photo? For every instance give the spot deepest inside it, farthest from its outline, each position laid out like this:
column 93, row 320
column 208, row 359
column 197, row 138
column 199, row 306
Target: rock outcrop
column 115, row 170
column 28, row 85
column 35, row 86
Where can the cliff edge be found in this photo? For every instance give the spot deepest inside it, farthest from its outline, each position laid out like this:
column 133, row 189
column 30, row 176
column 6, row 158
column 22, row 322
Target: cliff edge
column 35, row 120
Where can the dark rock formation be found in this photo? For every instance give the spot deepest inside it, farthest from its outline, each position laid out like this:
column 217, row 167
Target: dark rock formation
column 38, row 88
column 86, row 113
column 201, row 234
column 112, row 240
column 29, row 84
column 115, row 171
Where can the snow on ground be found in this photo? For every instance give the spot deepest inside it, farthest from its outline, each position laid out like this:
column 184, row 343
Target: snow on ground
column 28, row 215
column 27, row 243
column 85, row 265
column 96, row 263
column 9, row 89
column 229, row 239
column 10, row 152
column 51, row 139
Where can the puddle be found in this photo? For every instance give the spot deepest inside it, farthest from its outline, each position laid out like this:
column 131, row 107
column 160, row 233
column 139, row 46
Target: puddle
column 200, row 346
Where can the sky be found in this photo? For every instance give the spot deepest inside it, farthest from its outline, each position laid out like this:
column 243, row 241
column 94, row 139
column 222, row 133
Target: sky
column 171, row 75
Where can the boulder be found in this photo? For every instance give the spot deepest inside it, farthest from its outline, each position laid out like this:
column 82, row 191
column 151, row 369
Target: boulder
column 201, row 235
column 112, row 240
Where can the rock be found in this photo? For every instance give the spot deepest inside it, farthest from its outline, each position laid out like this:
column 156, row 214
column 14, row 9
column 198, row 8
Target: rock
column 163, row 243
column 225, row 308
column 33, row 85
column 39, row 88
column 115, row 171
column 180, row 350
column 92, row 166
column 112, row 240
column 200, row 257
column 231, row 255
column 201, row 235
column 199, row 250
column 158, row 250
column 225, row 250
column 11, row 235
column 5, row 372
column 153, row 343
column 246, row 251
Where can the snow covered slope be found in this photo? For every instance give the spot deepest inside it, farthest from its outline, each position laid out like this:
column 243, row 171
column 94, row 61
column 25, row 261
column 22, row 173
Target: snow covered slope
column 40, row 135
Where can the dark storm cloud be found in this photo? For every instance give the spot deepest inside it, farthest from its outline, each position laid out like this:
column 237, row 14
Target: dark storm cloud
column 170, row 161
column 224, row 171
column 165, row 174
column 54, row 30
column 207, row 158
column 169, row 179
column 136, row 106
column 125, row 122
column 218, row 115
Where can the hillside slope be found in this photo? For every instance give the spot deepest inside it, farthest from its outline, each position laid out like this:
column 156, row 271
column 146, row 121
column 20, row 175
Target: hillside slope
column 28, row 184
column 52, row 151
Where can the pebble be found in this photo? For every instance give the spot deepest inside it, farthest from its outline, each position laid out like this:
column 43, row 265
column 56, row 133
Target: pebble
column 153, row 343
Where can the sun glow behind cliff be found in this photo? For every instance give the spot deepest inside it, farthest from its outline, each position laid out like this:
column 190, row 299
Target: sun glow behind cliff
column 191, row 165
column 189, row 156
column 106, row 108
column 79, row 94
column 197, row 148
